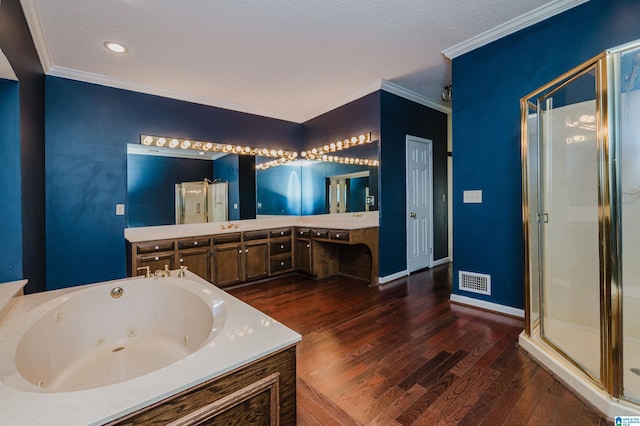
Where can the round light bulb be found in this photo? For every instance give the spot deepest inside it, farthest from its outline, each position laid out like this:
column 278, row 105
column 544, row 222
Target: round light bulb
column 147, row 140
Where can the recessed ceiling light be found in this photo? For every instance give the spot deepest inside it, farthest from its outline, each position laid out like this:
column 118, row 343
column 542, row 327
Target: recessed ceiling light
column 115, row 47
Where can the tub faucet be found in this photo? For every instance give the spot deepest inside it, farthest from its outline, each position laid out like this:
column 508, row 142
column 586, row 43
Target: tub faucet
column 163, row 272
column 147, row 272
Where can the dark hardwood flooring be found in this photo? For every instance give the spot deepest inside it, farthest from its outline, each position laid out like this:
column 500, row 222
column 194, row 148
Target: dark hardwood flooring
column 401, row 354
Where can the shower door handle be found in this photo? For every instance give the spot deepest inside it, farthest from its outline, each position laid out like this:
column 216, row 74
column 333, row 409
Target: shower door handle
column 413, row 215
column 543, row 217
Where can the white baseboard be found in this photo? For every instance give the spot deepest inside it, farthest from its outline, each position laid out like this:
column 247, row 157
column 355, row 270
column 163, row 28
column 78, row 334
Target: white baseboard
column 490, row 306
column 392, row 277
column 440, row 262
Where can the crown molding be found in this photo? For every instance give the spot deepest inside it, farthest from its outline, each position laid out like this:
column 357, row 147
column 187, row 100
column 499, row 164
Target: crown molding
column 37, row 34
column 102, row 80
column 537, row 15
column 393, row 88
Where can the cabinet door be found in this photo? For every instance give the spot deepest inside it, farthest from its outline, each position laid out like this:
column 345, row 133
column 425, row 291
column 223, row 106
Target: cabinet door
column 227, row 264
column 303, row 256
column 256, row 260
column 197, row 261
column 155, row 262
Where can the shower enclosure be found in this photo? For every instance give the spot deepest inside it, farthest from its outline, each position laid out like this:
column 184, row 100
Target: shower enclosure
column 581, row 222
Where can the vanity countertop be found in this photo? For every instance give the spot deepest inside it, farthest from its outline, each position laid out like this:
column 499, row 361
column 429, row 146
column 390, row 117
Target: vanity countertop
column 347, row 221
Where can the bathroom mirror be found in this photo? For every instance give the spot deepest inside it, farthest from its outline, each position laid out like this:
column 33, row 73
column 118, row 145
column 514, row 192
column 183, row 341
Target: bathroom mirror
column 297, row 188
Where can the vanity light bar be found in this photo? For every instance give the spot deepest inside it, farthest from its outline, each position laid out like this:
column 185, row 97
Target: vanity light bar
column 216, row 147
column 336, row 146
column 344, row 160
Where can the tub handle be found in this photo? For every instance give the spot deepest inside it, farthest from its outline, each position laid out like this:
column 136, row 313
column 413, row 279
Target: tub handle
column 147, row 272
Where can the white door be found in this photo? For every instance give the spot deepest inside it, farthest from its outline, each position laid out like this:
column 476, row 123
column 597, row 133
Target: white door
column 419, row 203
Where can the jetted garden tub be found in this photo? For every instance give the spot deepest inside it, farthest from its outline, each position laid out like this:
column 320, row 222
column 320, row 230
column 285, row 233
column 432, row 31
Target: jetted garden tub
column 94, row 354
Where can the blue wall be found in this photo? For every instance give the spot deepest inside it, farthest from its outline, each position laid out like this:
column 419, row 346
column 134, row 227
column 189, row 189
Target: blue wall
column 401, row 117
column 10, row 183
column 87, row 130
column 16, row 43
column 489, row 83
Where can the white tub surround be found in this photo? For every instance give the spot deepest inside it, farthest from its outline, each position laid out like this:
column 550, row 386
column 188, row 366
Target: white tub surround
column 234, row 338
column 9, row 294
column 334, row 221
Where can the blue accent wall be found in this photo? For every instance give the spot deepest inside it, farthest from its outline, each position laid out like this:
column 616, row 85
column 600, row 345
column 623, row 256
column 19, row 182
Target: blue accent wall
column 279, row 190
column 10, row 183
column 87, row 130
column 151, row 184
column 18, row 47
column 488, row 84
column 401, row 117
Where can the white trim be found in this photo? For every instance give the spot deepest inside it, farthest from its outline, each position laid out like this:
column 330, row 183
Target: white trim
column 575, row 379
column 150, row 90
column 439, row 262
column 393, row 88
column 37, row 33
column 490, row 306
column 523, row 21
column 393, row 277
column 429, row 143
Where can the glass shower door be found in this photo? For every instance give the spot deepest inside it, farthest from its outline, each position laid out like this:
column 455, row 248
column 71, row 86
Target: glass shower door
column 568, row 218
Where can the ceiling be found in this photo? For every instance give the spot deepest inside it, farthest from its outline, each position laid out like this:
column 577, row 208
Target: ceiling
column 285, row 59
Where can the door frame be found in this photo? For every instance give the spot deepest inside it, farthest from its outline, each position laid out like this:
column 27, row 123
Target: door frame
column 429, row 243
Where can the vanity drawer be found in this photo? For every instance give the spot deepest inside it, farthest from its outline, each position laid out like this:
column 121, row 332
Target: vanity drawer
column 154, row 246
column 303, row 232
column 285, row 232
column 280, row 264
column 280, row 247
column 320, row 233
column 226, row 238
column 339, row 235
column 256, row 235
column 194, row 243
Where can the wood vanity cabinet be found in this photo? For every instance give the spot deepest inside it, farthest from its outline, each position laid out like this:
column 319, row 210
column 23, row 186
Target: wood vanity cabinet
column 194, row 253
column 256, row 255
column 280, row 251
column 227, row 259
column 232, row 258
column 304, row 251
column 155, row 255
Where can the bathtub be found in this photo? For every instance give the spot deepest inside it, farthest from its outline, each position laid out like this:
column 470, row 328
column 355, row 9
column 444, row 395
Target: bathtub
column 93, row 354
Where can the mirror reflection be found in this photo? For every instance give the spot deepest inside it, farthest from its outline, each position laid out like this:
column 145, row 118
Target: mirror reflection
column 304, row 187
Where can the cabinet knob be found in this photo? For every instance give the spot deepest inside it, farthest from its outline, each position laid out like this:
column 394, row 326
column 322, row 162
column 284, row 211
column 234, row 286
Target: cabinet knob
column 281, row 246
column 195, row 243
column 157, row 247
column 282, row 233
column 337, row 235
column 318, row 234
column 308, row 245
column 181, row 260
column 156, row 258
column 239, row 251
column 281, row 263
column 246, row 250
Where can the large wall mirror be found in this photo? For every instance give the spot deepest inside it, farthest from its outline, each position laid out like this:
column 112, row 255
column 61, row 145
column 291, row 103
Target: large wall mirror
column 304, row 187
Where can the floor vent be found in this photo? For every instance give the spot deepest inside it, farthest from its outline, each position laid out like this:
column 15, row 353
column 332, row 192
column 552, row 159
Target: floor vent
column 474, row 282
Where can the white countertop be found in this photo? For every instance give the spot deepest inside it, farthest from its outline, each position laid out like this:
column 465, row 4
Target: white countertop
column 231, row 349
column 335, row 221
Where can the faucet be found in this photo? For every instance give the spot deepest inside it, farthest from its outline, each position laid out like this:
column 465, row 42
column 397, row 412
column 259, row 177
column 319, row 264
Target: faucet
column 181, row 274
column 148, row 271
column 163, row 272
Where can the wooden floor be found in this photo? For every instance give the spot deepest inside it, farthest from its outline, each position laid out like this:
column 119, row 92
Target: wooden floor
column 401, row 354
